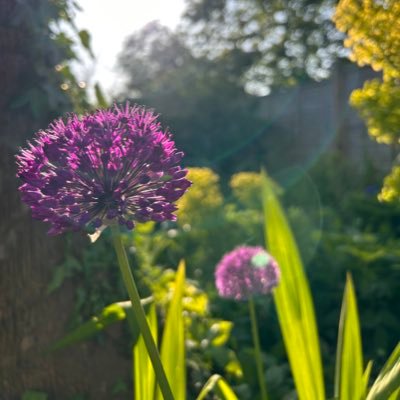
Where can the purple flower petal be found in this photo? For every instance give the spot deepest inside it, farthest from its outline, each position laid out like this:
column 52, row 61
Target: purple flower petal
column 246, row 271
column 115, row 165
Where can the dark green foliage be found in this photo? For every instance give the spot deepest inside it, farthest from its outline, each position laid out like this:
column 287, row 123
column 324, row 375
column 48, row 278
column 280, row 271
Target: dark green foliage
column 36, row 49
column 34, row 395
column 369, row 249
column 95, row 275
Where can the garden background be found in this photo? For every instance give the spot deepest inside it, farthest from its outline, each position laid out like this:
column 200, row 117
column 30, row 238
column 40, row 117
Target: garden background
column 242, row 85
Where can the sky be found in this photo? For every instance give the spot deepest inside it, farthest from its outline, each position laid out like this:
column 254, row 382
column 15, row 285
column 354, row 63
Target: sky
column 109, row 23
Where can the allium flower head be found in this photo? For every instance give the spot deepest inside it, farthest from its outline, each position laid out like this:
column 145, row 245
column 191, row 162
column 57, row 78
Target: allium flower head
column 246, row 271
column 114, row 165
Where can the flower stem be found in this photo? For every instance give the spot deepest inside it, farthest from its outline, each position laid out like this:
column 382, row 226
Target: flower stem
column 140, row 315
column 257, row 349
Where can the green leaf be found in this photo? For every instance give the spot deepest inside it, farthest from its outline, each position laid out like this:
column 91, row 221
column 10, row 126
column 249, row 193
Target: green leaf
column 387, row 384
column 217, row 384
column 100, row 98
column 60, row 274
column 293, row 300
column 63, row 272
column 143, row 372
column 173, row 341
column 84, row 37
column 366, row 375
column 349, row 380
column 395, row 395
column 109, row 315
column 393, row 358
column 119, row 387
column 33, row 395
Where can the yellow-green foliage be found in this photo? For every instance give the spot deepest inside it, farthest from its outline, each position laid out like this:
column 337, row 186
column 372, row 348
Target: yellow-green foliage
column 379, row 104
column 202, row 199
column 391, row 186
column 373, row 36
column 246, row 187
column 373, row 33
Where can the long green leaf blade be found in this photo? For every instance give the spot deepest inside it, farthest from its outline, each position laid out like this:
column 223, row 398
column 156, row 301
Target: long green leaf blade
column 109, row 315
column 143, row 372
column 387, row 384
column 366, row 375
column 293, row 300
column 350, row 382
column 173, row 341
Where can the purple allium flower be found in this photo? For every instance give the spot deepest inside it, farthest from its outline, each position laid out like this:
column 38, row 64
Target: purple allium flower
column 112, row 165
column 246, row 271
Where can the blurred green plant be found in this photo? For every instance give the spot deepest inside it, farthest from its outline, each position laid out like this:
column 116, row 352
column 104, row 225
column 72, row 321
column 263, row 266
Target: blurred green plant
column 204, row 199
column 246, row 188
column 172, row 353
column 336, row 229
column 34, row 395
column 184, row 308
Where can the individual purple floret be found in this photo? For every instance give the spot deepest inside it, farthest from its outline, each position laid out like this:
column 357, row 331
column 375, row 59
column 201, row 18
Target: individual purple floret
column 112, row 165
column 246, row 271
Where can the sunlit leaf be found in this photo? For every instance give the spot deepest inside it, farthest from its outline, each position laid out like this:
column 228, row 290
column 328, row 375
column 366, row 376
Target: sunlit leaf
column 349, row 379
column 109, row 315
column 173, row 341
column 143, row 372
column 366, row 375
column 293, row 300
column 218, row 385
column 387, row 384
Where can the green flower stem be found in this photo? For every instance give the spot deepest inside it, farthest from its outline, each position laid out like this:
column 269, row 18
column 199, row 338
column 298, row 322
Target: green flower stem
column 257, row 349
column 140, row 315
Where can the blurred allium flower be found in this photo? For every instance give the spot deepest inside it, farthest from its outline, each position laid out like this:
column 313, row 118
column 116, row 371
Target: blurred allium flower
column 246, row 271
column 113, row 165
